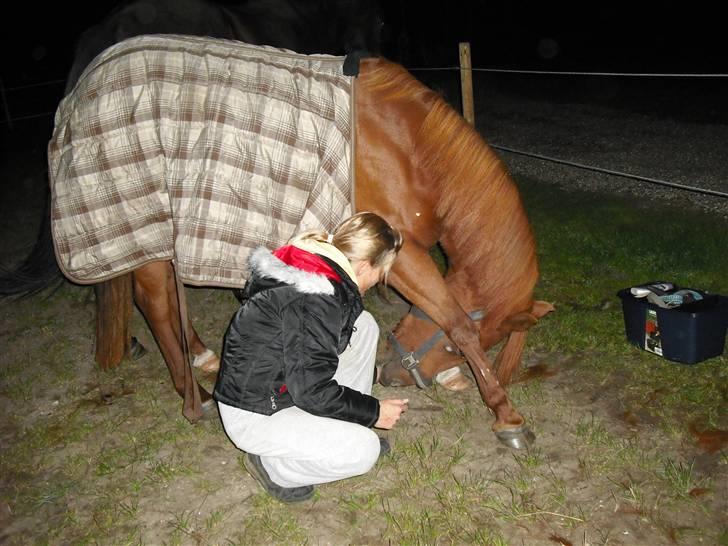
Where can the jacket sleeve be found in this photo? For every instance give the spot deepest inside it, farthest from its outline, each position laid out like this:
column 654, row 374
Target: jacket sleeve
column 311, row 328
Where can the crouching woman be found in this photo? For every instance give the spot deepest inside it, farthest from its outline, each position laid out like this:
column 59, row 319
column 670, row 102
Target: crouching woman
column 298, row 362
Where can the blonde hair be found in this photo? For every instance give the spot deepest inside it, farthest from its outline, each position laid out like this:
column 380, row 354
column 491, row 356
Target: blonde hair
column 363, row 237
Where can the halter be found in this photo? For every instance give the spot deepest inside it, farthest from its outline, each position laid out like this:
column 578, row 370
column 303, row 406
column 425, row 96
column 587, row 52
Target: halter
column 410, row 360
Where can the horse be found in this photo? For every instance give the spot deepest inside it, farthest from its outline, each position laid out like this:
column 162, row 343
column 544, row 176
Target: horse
column 421, row 166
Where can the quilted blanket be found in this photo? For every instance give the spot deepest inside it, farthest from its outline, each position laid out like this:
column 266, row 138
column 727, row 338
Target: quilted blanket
column 199, row 150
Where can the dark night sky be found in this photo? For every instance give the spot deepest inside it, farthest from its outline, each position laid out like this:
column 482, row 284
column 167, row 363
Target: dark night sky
column 589, row 38
column 502, row 35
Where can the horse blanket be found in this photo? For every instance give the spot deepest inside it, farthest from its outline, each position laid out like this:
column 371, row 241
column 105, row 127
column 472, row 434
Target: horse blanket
column 197, row 150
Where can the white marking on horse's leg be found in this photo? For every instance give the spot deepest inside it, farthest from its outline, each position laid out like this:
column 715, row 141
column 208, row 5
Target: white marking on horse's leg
column 207, row 361
column 203, row 357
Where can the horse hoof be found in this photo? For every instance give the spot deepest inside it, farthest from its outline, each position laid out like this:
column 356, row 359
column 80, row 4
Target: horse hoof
column 209, row 409
column 516, row 438
column 136, row 350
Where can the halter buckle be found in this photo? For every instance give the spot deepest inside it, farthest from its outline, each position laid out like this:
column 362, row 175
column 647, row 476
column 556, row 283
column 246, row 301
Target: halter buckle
column 409, row 361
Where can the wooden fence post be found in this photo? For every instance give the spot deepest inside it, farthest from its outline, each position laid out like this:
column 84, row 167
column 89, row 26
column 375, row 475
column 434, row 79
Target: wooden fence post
column 113, row 339
column 466, row 83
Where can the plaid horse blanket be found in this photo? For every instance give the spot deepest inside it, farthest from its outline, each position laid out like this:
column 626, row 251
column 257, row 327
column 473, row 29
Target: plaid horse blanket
column 200, row 150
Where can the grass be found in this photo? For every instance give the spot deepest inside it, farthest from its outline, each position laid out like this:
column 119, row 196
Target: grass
column 681, row 478
column 133, row 471
column 591, row 248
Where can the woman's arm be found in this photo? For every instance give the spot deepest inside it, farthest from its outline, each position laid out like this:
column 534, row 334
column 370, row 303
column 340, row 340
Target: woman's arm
column 311, row 329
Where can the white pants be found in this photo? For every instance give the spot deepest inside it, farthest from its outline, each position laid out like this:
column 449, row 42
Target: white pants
column 297, row 448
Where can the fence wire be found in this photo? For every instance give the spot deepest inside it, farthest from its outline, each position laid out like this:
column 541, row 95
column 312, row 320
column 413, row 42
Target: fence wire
column 611, row 172
column 572, row 73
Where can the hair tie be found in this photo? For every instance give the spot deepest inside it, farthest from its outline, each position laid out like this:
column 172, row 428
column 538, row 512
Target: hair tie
column 330, row 238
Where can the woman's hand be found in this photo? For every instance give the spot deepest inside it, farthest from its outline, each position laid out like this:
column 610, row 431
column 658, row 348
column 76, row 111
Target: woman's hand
column 390, row 411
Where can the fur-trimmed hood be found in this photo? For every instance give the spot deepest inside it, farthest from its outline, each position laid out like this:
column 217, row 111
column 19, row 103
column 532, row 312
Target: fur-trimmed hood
column 264, row 264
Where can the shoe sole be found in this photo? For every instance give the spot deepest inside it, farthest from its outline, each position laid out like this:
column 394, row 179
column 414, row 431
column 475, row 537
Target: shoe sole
column 254, row 471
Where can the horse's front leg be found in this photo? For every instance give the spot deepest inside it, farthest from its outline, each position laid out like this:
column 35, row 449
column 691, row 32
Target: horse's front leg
column 416, row 276
column 155, row 293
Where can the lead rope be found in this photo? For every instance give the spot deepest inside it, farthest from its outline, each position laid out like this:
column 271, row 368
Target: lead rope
column 192, row 402
column 192, row 405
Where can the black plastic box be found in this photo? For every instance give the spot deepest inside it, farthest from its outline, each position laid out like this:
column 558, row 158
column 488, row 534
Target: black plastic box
column 689, row 334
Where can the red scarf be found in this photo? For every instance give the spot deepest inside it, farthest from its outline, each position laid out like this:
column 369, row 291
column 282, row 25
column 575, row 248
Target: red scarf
column 306, row 261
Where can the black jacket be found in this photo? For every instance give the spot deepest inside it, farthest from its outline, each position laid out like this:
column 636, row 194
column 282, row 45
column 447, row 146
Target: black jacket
column 282, row 346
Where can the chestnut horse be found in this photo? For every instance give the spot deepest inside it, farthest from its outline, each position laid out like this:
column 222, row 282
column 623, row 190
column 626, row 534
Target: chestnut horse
column 422, row 167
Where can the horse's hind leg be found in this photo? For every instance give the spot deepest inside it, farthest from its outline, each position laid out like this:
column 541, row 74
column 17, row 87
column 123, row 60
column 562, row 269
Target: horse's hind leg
column 155, row 292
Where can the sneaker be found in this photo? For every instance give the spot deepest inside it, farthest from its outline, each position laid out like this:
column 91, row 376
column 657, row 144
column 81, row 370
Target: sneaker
column 384, row 447
column 284, row 494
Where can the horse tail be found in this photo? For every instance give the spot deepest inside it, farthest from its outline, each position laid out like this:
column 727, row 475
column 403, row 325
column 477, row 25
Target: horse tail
column 38, row 271
column 509, row 357
column 517, row 325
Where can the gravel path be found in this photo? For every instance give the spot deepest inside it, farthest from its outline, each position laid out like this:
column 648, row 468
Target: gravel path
column 671, row 131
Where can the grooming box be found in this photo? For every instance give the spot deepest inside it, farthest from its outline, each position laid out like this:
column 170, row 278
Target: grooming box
column 688, row 333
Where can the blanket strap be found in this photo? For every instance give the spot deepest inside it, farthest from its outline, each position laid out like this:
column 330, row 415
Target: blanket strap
column 352, row 60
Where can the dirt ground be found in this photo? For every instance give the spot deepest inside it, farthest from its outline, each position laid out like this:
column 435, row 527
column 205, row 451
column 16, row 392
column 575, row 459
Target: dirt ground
column 121, row 432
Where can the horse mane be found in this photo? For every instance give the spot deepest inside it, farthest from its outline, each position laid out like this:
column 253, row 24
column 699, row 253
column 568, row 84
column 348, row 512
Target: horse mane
column 485, row 230
column 391, row 81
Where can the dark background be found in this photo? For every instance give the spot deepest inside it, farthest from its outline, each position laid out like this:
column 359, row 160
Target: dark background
column 38, row 41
